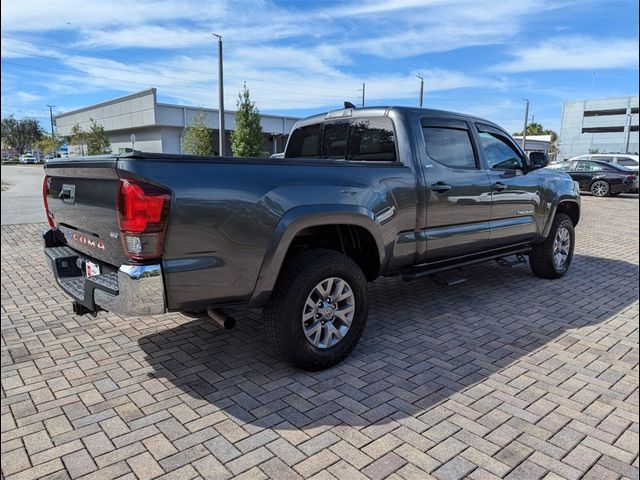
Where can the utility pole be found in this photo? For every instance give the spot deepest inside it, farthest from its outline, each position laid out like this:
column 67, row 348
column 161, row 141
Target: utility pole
column 421, row 88
column 626, row 142
column 51, row 117
column 221, row 147
column 363, row 94
column 526, row 120
column 593, row 81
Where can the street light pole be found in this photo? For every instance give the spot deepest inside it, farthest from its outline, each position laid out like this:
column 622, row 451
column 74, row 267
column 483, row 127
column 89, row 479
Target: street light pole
column 421, row 88
column 51, row 117
column 626, row 142
column 221, row 143
column 363, row 94
column 526, row 120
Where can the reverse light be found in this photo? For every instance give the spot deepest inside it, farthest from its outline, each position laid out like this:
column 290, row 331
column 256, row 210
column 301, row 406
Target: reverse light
column 143, row 211
column 45, row 191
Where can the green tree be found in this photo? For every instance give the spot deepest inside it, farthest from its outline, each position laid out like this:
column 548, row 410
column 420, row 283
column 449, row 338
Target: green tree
column 48, row 144
column 537, row 129
column 198, row 137
column 97, row 140
column 78, row 137
column 247, row 139
column 21, row 134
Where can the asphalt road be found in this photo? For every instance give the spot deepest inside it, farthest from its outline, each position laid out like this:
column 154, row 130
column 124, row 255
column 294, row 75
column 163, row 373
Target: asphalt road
column 22, row 194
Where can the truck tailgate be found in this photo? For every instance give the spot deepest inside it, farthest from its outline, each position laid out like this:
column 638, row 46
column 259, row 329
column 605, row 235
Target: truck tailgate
column 82, row 196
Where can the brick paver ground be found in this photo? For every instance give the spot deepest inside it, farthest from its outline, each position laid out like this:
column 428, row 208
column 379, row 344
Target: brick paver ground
column 504, row 376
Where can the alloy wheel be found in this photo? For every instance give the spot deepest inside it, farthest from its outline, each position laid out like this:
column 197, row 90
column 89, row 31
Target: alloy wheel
column 328, row 312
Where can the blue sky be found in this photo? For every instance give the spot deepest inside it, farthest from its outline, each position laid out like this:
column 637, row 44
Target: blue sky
column 304, row 57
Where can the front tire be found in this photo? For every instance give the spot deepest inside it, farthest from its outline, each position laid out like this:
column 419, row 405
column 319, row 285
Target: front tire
column 318, row 309
column 600, row 188
column 551, row 258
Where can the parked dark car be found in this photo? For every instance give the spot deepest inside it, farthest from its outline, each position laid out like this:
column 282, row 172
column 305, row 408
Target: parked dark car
column 360, row 193
column 599, row 177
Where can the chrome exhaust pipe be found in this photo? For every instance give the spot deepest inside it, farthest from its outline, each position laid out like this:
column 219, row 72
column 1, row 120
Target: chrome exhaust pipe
column 222, row 319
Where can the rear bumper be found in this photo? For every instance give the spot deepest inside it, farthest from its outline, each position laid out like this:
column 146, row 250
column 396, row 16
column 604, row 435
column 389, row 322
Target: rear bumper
column 130, row 291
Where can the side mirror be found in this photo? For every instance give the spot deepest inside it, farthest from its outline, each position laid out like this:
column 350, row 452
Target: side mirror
column 538, row 160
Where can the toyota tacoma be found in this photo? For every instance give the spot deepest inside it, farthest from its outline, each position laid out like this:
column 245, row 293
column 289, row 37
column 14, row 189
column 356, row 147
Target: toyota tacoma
column 359, row 194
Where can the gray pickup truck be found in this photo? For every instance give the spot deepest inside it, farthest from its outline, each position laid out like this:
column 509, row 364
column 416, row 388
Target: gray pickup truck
column 360, row 193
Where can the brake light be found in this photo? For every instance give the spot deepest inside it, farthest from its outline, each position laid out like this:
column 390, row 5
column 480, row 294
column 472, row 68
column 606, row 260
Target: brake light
column 45, row 191
column 143, row 211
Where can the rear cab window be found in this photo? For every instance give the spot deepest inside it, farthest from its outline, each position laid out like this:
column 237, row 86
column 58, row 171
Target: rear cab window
column 358, row 139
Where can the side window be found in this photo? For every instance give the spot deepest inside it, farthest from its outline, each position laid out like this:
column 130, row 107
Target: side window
column 449, row 146
column 627, row 162
column 500, row 155
column 603, row 158
column 305, row 142
column 562, row 166
column 371, row 139
column 588, row 167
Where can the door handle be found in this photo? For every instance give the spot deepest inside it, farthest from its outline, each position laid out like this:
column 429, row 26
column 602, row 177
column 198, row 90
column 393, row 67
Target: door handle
column 440, row 187
column 499, row 186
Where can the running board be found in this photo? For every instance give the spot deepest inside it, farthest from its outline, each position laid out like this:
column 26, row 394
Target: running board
column 447, row 279
column 430, row 270
column 505, row 262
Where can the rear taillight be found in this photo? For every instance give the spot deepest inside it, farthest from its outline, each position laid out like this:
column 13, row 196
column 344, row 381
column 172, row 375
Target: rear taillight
column 45, row 191
column 631, row 178
column 143, row 211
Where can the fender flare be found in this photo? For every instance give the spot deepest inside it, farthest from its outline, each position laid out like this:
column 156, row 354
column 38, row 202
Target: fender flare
column 294, row 221
column 561, row 199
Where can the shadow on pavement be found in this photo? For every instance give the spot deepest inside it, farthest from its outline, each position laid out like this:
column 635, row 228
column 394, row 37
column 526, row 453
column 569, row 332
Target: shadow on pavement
column 422, row 344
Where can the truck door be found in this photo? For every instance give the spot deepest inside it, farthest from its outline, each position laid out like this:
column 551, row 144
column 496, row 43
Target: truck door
column 515, row 192
column 458, row 192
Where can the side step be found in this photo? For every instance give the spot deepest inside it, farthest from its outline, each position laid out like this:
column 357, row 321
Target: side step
column 448, row 279
column 505, row 262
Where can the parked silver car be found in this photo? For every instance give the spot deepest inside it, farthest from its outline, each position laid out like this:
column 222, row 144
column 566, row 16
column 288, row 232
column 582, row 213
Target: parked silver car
column 624, row 159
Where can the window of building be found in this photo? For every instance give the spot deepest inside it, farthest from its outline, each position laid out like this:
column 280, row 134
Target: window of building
column 498, row 152
column 450, row 147
column 603, row 129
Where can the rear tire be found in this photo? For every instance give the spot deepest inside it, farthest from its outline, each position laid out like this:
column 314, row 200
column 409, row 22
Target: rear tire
column 551, row 258
column 600, row 188
column 307, row 280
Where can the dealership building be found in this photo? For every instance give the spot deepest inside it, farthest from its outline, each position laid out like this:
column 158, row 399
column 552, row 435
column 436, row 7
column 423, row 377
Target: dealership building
column 608, row 125
column 139, row 121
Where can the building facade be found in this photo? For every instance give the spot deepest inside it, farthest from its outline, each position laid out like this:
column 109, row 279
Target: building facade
column 139, row 121
column 608, row 125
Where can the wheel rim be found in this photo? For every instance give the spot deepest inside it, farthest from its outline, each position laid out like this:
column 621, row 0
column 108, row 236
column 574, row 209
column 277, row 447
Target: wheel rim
column 561, row 247
column 328, row 312
column 599, row 189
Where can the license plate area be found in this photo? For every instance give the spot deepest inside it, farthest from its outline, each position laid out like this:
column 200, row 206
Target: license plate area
column 91, row 269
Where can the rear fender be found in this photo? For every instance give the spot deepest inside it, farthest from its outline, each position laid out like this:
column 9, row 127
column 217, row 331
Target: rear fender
column 294, row 221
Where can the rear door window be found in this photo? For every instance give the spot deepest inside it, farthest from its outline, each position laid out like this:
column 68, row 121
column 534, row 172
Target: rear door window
column 449, row 146
column 588, row 167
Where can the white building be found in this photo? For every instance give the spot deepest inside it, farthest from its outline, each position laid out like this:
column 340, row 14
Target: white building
column 599, row 126
column 159, row 127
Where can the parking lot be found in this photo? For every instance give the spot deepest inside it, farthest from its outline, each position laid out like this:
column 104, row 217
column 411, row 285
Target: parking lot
column 504, row 376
